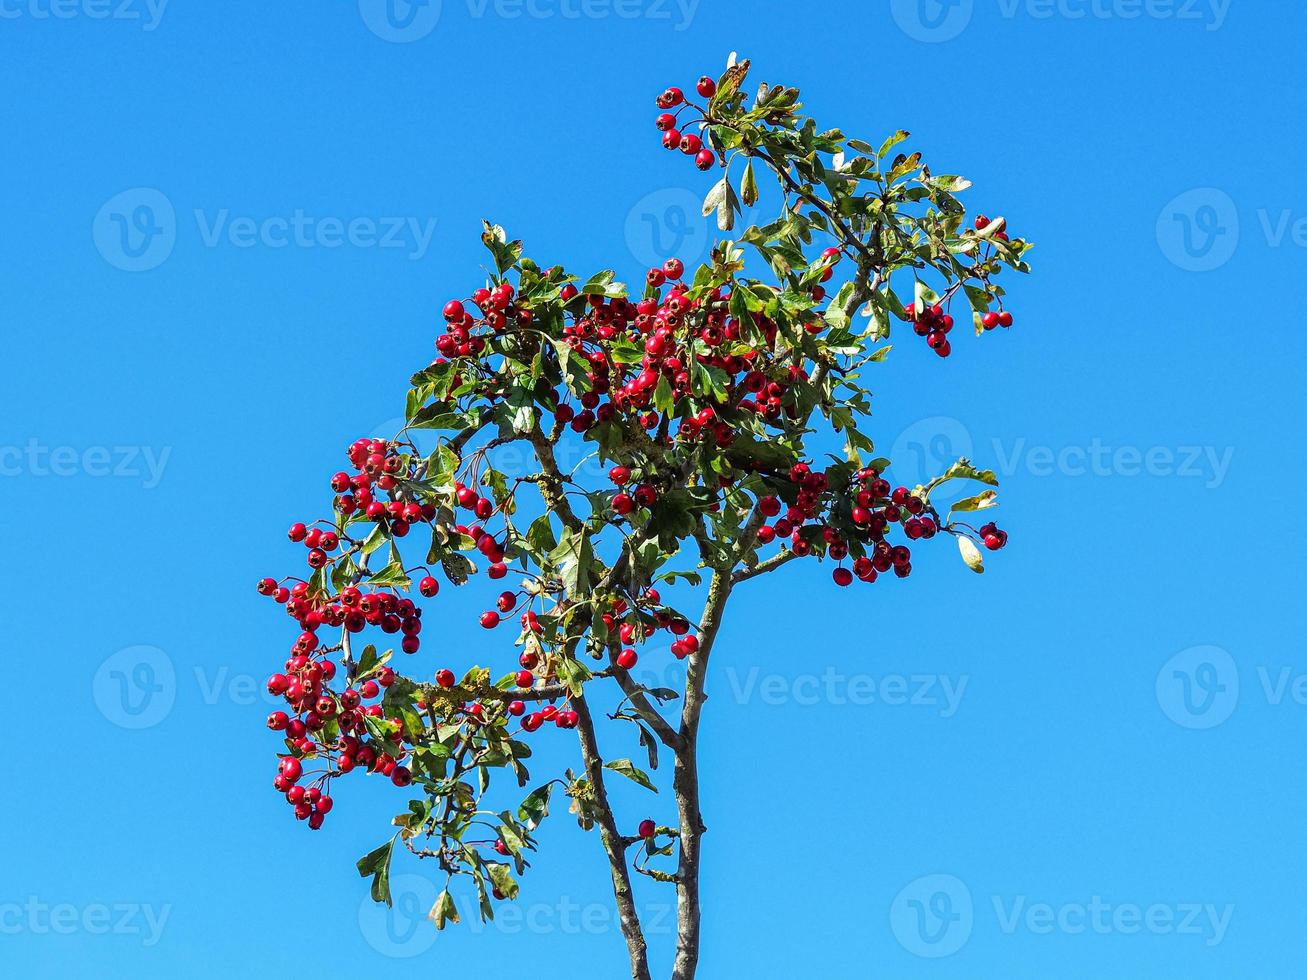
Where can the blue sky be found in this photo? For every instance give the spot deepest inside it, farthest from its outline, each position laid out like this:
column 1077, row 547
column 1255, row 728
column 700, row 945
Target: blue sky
column 226, row 232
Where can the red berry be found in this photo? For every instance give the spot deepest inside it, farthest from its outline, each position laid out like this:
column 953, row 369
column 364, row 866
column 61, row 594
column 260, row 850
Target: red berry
column 490, row 619
column 672, row 97
column 428, row 586
column 524, row 678
column 704, row 159
column 990, row 320
column 842, row 576
column 647, row 828
column 445, row 678
column 627, row 658
column 706, row 87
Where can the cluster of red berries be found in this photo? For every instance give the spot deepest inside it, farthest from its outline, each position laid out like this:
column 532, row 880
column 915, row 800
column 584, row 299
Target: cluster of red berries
column 352, row 608
column 497, row 310
column 873, row 509
column 667, row 122
column 933, row 324
column 993, row 538
column 380, row 466
column 1001, row 318
column 304, row 685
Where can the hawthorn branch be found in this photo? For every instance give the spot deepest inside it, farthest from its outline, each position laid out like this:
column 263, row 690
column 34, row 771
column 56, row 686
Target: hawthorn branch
column 763, row 567
column 640, row 703
column 459, row 693
column 613, row 842
column 551, row 481
column 685, row 783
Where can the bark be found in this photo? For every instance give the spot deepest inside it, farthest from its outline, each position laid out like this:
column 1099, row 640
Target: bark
column 686, row 784
column 614, row 845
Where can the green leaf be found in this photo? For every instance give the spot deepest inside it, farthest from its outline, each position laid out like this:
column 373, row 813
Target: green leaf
column 502, row 879
column 749, row 187
column 892, row 142
column 521, row 404
column 722, row 199
column 980, row 501
column 392, row 575
column 444, row 910
column 377, row 865
column 535, row 807
column 540, row 536
column 573, row 557
column 624, row 767
column 369, row 662
column 601, row 284
column 662, row 398
column 457, row 567
column 963, row 470
column 573, row 673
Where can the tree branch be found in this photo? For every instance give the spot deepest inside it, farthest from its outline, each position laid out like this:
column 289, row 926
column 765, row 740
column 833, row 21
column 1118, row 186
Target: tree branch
column 613, row 842
column 685, row 783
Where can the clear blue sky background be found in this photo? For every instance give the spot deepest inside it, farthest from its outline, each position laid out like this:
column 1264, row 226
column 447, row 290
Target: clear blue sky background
column 1122, row 731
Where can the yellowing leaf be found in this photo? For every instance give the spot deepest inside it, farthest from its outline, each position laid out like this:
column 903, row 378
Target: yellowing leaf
column 971, row 554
